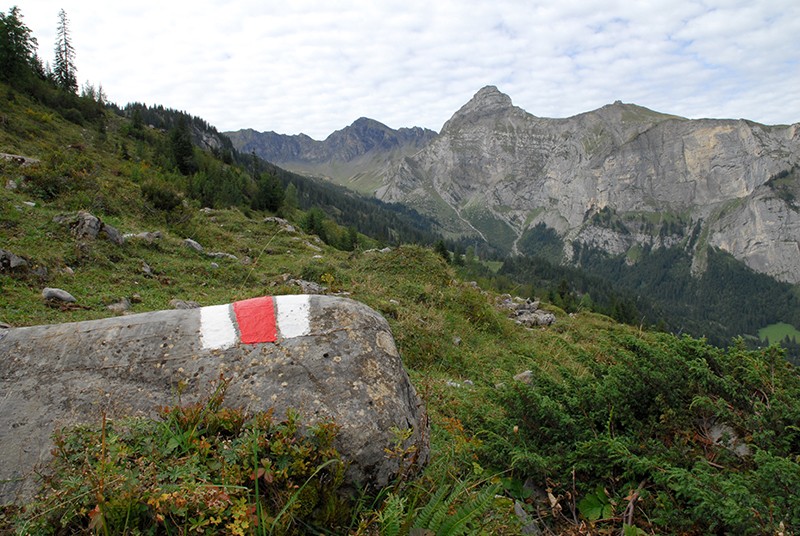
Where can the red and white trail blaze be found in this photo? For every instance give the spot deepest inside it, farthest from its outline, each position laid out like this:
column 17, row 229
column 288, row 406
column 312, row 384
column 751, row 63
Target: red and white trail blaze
column 254, row 321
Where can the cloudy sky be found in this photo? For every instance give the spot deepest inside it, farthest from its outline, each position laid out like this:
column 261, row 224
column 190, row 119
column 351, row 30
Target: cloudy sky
column 315, row 66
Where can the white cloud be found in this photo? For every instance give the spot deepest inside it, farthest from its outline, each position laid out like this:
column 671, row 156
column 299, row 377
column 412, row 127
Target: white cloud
column 312, row 66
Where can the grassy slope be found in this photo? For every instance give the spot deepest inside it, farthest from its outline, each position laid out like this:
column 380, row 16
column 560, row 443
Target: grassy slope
column 446, row 330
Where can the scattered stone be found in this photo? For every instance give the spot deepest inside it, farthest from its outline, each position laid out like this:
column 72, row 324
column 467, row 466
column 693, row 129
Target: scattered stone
column 29, row 203
column 120, row 307
column 19, row 159
column 183, row 304
column 84, row 225
column 725, row 436
column 57, row 294
column 147, row 236
column 68, row 271
column 312, row 247
column 524, row 377
column 192, row 244
column 146, row 268
column 222, row 255
column 11, row 184
column 386, row 250
column 308, row 287
column 136, row 298
column 283, row 224
column 113, row 234
column 524, row 311
column 213, row 265
column 456, row 341
column 9, row 262
column 3, row 325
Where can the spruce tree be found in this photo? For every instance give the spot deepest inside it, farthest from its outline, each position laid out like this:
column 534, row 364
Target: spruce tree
column 64, row 70
column 17, row 47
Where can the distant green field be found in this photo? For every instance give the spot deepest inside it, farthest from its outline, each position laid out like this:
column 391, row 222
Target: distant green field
column 777, row 332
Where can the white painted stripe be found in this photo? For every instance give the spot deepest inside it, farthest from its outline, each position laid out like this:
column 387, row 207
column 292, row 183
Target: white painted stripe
column 216, row 327
column 293, row 316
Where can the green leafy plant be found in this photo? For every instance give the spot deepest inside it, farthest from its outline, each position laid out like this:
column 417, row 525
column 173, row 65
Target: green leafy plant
column 200, row 468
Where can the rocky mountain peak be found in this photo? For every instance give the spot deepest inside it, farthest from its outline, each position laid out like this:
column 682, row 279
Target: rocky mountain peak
column 488, row 101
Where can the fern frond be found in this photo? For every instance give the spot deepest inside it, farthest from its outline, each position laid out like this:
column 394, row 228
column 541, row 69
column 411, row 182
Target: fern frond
column 391, row 515
column 426, row 514
column 476, row 506
column 443, row 510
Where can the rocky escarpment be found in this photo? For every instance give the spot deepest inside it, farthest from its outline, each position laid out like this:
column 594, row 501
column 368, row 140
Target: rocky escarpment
column 354, row 156
column 615, row 178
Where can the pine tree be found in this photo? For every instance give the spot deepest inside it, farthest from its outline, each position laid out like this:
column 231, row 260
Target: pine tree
column 17, row 47
column 64, row 70
column 182, row 149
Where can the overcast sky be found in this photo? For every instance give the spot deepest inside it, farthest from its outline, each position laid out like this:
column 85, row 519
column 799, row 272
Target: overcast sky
column 316, row 66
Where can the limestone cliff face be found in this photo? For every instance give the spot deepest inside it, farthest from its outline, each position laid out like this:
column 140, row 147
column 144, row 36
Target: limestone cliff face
column 354, row 156
column 614, row 178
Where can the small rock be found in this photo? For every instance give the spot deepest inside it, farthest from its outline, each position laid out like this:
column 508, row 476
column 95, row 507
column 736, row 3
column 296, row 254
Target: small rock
column 136, row 298
column 317, row 257
column 524, row 377
column 308, row 287
column 68, row 271
column 120, row 307
column 456, row 341
column 148, row 236
column 222, row 255
column 214, row 265
column 192, row 244
column 57, row 294
column 451, row 383
column 10, row 262
column 146, row 268
column 183, row 304
column 29, row 203
column 3, row 325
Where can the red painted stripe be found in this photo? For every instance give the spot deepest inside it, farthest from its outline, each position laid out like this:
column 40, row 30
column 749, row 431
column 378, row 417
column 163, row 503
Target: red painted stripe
column 256, row 319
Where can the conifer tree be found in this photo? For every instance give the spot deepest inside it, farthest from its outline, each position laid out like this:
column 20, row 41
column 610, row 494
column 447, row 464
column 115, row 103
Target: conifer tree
column 64, row 70
column 17, row 47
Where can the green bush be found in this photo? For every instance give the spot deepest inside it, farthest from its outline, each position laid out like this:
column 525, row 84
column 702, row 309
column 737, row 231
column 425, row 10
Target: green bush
column 200, row 468
column 642, row 416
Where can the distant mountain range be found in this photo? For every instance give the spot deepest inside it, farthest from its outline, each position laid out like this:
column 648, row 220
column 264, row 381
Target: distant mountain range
column 357, row 156
column 620, row 179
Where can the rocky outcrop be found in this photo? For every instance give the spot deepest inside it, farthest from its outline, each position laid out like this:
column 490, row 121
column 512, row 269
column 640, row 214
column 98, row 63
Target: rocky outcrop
column 323, row 356
column 86, row 226
column 354, row 156
column 614, row 178
column 11, row 263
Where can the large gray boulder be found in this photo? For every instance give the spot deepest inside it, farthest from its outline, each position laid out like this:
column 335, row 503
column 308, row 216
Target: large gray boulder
column 325, row 356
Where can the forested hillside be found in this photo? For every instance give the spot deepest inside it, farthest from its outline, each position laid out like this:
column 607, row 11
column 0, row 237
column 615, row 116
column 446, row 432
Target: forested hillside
column 584, row 426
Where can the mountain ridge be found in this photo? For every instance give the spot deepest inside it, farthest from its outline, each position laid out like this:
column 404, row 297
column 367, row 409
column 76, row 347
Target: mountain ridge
column 353, row 156
column 501, row 171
